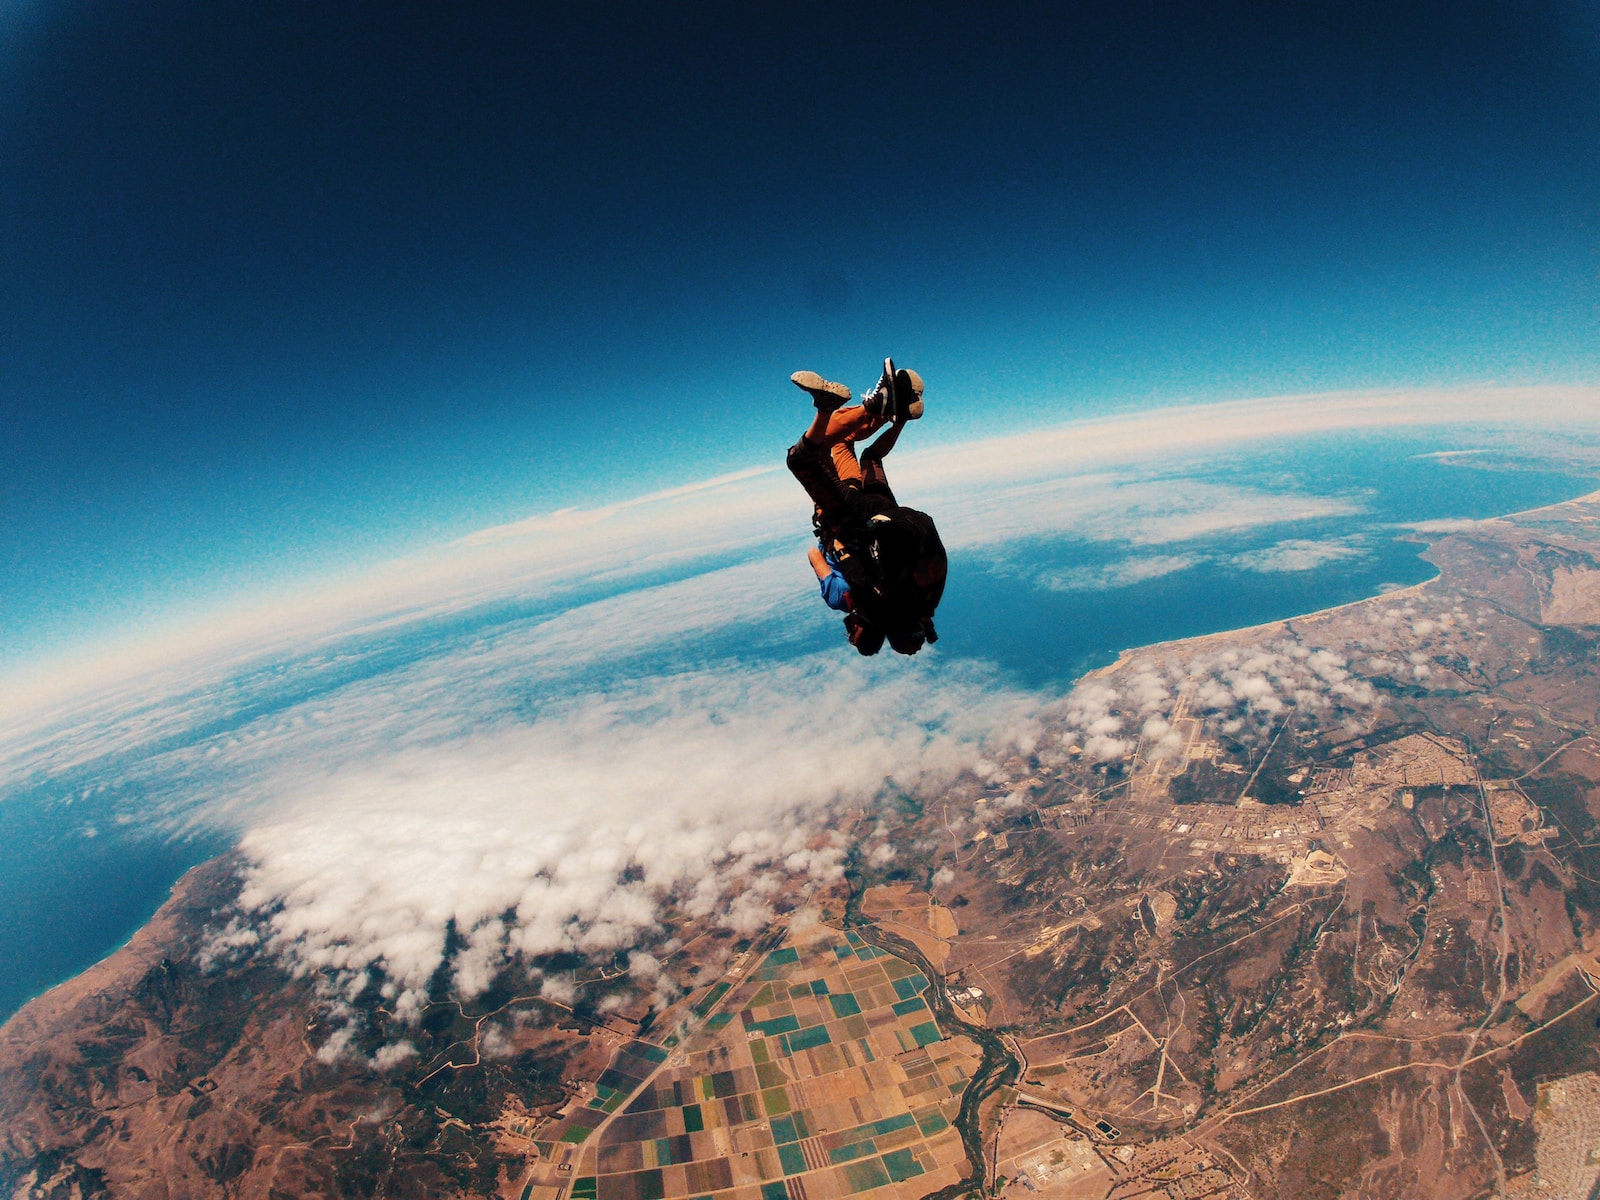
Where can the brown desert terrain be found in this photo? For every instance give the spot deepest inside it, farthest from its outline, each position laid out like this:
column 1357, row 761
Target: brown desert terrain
column 1326, row 925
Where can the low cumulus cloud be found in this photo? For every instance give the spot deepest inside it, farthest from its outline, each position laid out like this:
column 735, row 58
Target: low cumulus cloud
column 575, row 832
column 1286, row 556
column 553, row 735
column 1298, row 554
column 1241, row 695
column 1118, row 507
column 1122, row 573
column 695, row 794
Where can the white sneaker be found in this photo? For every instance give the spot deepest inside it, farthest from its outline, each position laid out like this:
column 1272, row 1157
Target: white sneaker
column 826, row 395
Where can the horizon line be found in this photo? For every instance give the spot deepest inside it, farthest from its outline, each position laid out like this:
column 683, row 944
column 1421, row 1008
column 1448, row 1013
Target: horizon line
column 325, row 605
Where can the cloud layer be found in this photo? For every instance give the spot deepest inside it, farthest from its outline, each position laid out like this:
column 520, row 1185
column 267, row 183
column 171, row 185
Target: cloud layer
column 550, row 734
column 1024, row 485
column 1297, row 554
column 572, row 831
column 1240, row 695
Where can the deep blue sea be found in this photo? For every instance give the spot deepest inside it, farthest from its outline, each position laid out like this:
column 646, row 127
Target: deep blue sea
column 1046, row 638
column 74, row 884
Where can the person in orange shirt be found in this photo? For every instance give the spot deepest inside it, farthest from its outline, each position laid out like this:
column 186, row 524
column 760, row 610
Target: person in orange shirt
column 880, row 563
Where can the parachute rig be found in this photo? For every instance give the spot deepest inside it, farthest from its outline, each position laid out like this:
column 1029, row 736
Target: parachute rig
column 890, row 555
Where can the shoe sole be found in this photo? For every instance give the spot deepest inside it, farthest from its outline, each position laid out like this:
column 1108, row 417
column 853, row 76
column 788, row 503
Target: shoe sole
column 908, row 393
column 825, row 394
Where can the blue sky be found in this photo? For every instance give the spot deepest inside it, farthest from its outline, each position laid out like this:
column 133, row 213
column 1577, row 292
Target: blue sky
column 287, row 289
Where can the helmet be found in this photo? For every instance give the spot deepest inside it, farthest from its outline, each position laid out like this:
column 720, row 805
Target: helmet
column 865, row 638
column 906, row 641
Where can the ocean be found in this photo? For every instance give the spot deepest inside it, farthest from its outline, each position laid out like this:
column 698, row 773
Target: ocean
column 1046, row 637
column 75, row 883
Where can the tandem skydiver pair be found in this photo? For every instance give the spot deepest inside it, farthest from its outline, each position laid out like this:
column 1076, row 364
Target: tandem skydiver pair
column 877, row 561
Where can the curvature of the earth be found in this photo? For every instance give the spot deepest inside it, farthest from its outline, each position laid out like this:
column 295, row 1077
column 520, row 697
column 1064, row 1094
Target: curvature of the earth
column 1200, row 897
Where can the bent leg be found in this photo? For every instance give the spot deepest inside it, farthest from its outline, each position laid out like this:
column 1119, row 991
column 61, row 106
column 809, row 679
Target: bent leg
column 841, row 506
column 873, row 479
column 841, row 431
column 850, row 425
column 824, row 461
column 845, row 465
column 842, row 425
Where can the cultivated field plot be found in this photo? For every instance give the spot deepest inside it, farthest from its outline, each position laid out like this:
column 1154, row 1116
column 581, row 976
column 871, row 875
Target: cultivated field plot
column 821, row 1075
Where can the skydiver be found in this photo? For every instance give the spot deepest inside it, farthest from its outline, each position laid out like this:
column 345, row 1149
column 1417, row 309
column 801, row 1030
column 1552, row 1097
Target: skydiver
column 878, row 562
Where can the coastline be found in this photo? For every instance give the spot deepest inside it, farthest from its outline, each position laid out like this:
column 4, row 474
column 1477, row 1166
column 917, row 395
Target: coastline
column 83, row 978
column 155, row 1065
column 1202, row 639
column 145, row 946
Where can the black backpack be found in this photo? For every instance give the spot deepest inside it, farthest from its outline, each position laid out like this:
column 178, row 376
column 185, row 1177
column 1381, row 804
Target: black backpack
column 896, row 567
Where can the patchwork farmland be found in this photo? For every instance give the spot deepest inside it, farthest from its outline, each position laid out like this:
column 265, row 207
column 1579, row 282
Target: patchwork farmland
column 820, row 1074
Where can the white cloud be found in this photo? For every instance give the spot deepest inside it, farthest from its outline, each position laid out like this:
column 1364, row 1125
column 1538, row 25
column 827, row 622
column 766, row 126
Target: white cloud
column 1297, row 554
column 570, row 833
column 1090, row 478
column 1131, row 705
column 391, row 1056
column 1121, row 573
column 496, row 1042
column 1440, row 526
column 1450, row 455
column 1121, row 506
column 550, row 781
column 1102, row 747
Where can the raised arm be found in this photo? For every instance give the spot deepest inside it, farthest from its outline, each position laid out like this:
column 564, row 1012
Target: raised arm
column 885, row 441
